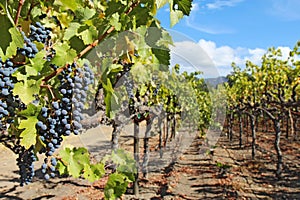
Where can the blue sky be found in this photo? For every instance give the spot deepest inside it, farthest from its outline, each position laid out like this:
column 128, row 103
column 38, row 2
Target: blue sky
column 234, row 30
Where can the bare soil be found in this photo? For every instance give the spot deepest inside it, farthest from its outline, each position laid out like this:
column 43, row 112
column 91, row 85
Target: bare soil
column 194, row 175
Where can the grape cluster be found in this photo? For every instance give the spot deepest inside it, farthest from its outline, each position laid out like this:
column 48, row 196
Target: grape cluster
column 82, row 80
column 56, row 121
column 25, row 161
column 29, row 49
column 51, row 129
column 63, row 116
column 129, row 86
column 48, row 169
column 155, row 92
column 8, row 102
column 37, row 33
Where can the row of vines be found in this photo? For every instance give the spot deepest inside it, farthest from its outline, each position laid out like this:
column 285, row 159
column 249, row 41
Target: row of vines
column 266, row 95
column 68, row 65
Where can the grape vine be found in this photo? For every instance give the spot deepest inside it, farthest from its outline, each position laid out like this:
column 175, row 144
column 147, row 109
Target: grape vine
column 46, row 80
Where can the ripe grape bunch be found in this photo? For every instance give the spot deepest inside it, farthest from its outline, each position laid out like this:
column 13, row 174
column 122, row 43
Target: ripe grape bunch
column 63, row 115
column 129, row 85
column 37, row 33
column 25, row 161
column 8, row 102
column 8, row 105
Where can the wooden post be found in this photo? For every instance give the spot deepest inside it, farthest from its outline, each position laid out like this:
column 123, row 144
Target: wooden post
column 136, row 158
column 146, row 149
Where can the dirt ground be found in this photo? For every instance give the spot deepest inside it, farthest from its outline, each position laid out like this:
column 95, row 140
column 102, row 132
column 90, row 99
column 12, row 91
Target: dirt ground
column 229, row 173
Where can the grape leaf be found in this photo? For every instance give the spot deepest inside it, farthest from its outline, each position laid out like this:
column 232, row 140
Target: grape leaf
column 62, row 169
column 75, row 159
column 73, row 167
column 114, row 21
column 2, row 2
column 37, row 64
column 71, row 30
column 31, row 110
column 28, row 136
column 175, row 16
column 36, row 11
column 115, row 186
column 19, row 75
column 64, row 54
column 163, row 55
column 108, row 97
column 1, row 53
column 70, row 4
column 140, row 71
column 160, row 3
column 26, row 90
column 117, row 159
column 17, row 41
column 85, row 13
column 81, row 155
column 165, row 40
column 88, row 35
column 93, row 172
column 5, row 35
column 184, row 5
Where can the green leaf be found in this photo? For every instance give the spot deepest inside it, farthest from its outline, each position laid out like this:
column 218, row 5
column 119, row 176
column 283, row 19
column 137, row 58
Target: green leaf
column 163, row 55
column 70, row 4
column 114, row 68
column 2, row 3
column 89, row 35
column 26, row 90
column 75, row 159
column 108, row 89
column 64, row 54
column 118, row 157
column 115, row 186
column 36, row 11
column 161, row 3
column 37, row 64
column 114, row 21
column 28, row 136
column 86, row 13
column 81, row 154
column 93, row 172
column 71, row 30
column 184, row 5
column 17, row 41
column 1, row 53
column 5, row 35
column 62, row 169
column 165, row 40
column 73, row 167
column 175, row 16
column 31, row 110
column 20, row 76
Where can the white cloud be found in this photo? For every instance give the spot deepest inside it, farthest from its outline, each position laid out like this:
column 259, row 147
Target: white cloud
column 192, row 57
column 285, row 52
column 214, row 61
column 285, row 9
column 219, row 4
